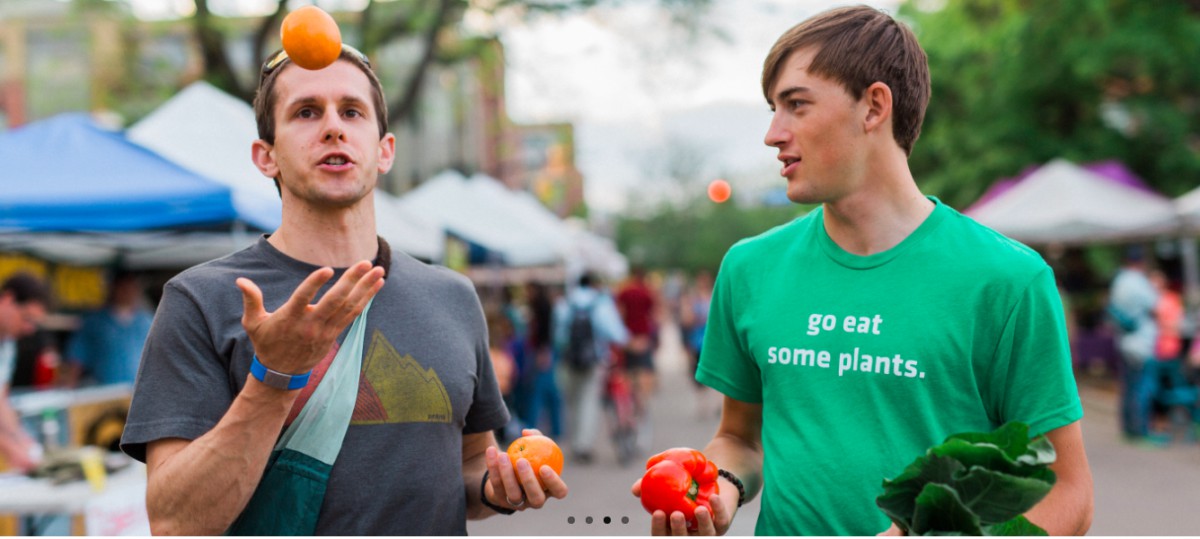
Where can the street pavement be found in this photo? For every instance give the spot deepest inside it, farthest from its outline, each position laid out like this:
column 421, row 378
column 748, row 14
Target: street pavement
column 1139, row 490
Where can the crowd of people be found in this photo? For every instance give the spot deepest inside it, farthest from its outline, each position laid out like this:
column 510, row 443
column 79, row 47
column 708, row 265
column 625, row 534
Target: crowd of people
column 580, row 361
column 1159, row 355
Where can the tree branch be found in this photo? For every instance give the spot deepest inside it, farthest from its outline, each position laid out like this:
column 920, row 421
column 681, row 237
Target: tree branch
column 403, row 107
column 263, row 31
column 212, row 51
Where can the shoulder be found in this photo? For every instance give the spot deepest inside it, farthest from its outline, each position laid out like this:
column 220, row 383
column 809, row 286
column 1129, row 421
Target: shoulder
column 770, row 243
column 987, row 253
column 439, row 283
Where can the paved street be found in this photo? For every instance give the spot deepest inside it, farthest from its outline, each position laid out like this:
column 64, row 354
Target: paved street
column 1139, row 490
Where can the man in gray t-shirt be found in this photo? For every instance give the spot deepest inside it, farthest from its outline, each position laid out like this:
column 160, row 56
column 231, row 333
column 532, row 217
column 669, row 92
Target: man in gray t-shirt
column 239, row 344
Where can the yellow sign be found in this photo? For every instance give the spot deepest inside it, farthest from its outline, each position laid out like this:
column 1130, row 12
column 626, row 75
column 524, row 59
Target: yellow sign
column 73, row 287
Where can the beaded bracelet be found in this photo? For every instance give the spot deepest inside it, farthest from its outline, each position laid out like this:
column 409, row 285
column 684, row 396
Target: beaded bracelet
column 737, row 483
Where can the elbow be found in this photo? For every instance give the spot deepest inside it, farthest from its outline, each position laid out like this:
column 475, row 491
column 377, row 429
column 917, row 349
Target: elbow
column 1085, row 518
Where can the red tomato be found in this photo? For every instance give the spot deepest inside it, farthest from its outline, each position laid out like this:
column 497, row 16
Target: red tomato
column 679, row 479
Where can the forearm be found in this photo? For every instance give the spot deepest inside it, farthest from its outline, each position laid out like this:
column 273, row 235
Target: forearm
column 734, row 454
column 1067, row 510
column 473, row 469
column 203, row 487
column 10, row 423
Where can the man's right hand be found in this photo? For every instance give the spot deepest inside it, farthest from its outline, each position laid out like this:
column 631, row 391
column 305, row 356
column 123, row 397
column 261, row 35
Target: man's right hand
column 295, row 337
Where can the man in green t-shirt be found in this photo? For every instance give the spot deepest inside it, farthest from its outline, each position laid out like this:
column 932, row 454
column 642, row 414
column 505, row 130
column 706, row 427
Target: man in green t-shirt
column 851, row 340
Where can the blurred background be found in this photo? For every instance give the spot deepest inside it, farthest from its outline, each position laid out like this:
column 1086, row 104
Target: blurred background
column 539, row 140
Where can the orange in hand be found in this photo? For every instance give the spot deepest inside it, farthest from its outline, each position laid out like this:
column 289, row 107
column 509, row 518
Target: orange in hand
column 539, row 451
column 311, row 37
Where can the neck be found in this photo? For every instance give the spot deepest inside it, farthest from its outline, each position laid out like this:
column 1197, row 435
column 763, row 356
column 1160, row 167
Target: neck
column 881, row 214
column 338, row 237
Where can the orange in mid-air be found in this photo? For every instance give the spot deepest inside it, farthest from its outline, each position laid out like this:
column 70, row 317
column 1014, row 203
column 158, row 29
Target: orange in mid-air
column 311, row 37
column 719, row 191
column 539, row 451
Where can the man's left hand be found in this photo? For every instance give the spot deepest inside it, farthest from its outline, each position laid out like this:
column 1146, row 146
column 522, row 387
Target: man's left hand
column 518, row 487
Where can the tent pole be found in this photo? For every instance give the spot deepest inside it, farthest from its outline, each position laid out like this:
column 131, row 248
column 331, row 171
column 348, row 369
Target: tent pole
column 1191, row 270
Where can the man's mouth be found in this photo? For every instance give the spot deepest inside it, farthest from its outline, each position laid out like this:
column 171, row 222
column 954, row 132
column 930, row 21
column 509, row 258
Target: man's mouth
column 335, row 160
column 789, row 165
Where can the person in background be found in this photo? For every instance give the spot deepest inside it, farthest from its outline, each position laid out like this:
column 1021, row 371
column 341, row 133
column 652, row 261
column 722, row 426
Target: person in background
column 108, row 346
column 24, row 300
column 638, row 305
column 693, row 318
column 1132, row 301
column 545, row 395
column 586, row 325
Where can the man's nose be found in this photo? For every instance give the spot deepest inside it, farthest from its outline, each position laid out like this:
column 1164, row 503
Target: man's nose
column 777, row 135
column 333, row 128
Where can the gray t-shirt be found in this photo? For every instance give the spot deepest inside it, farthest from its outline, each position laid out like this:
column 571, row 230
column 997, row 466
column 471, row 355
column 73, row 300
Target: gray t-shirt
column 426, row 380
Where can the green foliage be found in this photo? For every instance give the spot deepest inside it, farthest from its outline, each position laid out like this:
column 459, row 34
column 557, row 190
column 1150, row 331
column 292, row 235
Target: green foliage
column 696, row 235
column 1019, row 82
column 973, row 484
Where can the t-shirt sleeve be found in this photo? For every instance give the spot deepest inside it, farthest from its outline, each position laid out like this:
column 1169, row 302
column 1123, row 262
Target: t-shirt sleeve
column 183, row 387
column 725, row 362
column 1032, row 380
column 488, row 411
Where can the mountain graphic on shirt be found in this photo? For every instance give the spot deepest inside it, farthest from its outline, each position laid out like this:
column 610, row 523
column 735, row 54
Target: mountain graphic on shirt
column 395, row 388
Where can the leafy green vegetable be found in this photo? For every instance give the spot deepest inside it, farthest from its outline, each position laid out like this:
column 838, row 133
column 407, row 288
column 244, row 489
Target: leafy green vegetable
column 973, row 484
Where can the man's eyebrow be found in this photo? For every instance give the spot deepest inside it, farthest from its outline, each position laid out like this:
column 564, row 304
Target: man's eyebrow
column 312, row 100
column 785, row 93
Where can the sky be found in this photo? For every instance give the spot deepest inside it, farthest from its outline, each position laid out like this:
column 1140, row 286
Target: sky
column 631, row 85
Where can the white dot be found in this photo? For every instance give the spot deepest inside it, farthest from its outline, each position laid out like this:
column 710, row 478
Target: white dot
column 922, row 375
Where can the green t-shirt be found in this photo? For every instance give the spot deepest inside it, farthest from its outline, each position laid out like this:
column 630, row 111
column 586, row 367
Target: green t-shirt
column 864, row 362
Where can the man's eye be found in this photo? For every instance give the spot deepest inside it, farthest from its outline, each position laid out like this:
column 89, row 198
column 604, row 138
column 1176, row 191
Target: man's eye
column 305, row 113
column 353, row 113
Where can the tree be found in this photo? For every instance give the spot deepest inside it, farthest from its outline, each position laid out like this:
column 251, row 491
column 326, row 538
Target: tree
column 1019, row 82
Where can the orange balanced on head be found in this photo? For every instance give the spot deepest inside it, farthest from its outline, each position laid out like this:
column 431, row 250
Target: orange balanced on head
column 539, row 451
column 311, row 37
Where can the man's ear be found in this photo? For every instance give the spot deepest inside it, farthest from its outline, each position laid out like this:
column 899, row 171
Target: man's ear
column 387, row 152
column 878, row 99
column 263, row 155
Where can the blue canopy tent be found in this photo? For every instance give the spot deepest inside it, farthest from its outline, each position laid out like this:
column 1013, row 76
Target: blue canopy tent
column 67, row 174
column 72, row 191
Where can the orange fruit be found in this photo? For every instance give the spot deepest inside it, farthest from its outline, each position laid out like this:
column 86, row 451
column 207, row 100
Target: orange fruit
column 719, row 191
column 311, row 37
column 539, row 451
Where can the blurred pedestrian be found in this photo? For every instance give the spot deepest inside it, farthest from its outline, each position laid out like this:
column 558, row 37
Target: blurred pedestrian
column 693, row 319
column 638, row 304
column 1132, row 301
column 107, row 348
column 586, row 325
column 393, row 435
column 850, row 341
column 545, row 396
column 23, row 303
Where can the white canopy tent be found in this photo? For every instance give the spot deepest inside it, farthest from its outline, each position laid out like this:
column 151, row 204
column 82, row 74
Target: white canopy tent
column 210, row 132
column 1187, row 207
column 1065, row 204
column 482, row 217
column 582, row 250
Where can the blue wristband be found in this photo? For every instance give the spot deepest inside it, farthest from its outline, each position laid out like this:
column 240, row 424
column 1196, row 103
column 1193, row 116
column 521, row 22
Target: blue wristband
column 275, row 379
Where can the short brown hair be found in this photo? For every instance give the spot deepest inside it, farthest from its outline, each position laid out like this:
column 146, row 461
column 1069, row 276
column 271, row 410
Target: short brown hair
column 858, row 46
column 264, row 99
column 26, row 289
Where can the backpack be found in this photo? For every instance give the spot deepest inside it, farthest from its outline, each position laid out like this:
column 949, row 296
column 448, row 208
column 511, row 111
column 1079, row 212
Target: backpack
column 581, row 352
